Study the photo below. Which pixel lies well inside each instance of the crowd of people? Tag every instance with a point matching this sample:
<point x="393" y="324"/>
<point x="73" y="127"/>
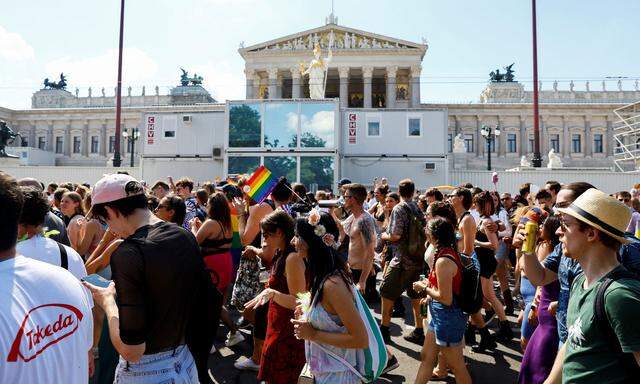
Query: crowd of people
<point x="129" y="283"/>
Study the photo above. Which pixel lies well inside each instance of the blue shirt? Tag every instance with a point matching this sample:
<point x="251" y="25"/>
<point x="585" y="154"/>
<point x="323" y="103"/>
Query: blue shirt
<point x="567" y="270"/>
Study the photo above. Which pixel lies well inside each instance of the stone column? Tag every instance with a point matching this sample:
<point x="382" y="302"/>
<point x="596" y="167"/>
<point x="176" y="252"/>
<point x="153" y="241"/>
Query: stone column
<point x="523" y="148"/>
<point x="415" y="85"/>
<point x="256" y="86"/>
<point x="86" y="142"/>
<point x="49" y="145"/>
<point x="566" y="138"/>
<point x="367" y="73"/>
<point x="104" y="139"/>
<point x="343" y="73"/>
<point x="588" y="145"/>
<point x="457" y="125"/>
<point x="479" y="140"/>
<point x="67" y="139"/>
<point x="295" y="83"/>
<point x="32" y="134"/>
<point x="250" y="74"/>
<point x="391" y="86"/>
<point x="610" y="142"/>
<point x="273" y="79"/>
<point x="279" y="87"/>
<point x="502" y="139"/>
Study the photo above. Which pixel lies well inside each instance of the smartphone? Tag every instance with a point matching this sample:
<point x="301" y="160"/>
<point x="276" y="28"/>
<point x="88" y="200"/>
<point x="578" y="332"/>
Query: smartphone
<point x="97" y="280"/>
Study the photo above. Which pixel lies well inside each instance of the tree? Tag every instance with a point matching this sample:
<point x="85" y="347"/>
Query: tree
<point x="244" y="126"/>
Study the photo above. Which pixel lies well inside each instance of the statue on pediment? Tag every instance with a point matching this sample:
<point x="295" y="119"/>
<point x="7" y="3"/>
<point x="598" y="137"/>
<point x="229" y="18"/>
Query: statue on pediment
<point x="317" y="71"/>
<point x="376" y="44"/>
<point x="387" y="45"/>
<point x="508" y="77"/>
<point x="571" y="85"/>
<point x="346" y="40"/>
<point x="586" y="85"/>
<point x="364" y="43"/>
<point x="554" y="160"/>
<point x="185" y="79"/>
<point x="620" y="85"/>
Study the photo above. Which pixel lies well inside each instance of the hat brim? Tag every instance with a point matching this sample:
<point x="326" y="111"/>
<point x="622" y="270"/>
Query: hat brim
<point x="625" y="239"/>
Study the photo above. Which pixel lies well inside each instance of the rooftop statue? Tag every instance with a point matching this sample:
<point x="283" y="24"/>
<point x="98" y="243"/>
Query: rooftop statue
<point x="6" y="136"/>
<point x="62" y="84"/>
<point x="496" y="76"/>
<point x="554" y="160"/>
<point x="459" y="146"/>
<point x="185" y="79"/>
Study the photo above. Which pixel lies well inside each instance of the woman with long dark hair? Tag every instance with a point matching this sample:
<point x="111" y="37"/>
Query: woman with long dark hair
<point x="214" y="237"/>
<point x="171" y="209"/>
<point x="332" y="320"/>
<point x="446" y="328"/>
<point x="542" y="348"/>
<point x="282" y="354"/>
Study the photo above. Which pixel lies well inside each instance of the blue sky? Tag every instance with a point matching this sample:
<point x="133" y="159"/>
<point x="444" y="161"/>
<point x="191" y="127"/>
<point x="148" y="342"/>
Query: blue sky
<point x="577" y="40"/>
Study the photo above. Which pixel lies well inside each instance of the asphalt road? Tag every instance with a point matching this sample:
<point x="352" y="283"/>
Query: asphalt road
<point x="499" y="366"/>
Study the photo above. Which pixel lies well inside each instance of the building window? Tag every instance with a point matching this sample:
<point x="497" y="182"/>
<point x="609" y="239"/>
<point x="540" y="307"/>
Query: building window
<point x="468" y="142"/>
<point x="76" y="144"/>
<point x="554" y="142"/>
<point x="531" y="143"/>
<point x="373" y="127"/>
<point x="94" y="144"/>
<point x="414" y="127"/>
<point x="41" y="142"/>
<point x="597" y="143"/>
<point x="59" y="144"/>
<point x="512" y="146"/>
<point x="112" y="144"/>
<point x="450" y="142"/>
<point x="576" y="143"/>
<point x="25" y="141"/>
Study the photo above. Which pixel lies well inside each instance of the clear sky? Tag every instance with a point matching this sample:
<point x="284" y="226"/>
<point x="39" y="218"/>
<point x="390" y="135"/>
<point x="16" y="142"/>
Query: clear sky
<point x="577" y="40"/>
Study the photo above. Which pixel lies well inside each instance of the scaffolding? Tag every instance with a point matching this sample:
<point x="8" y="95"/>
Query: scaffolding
<point x="626" y="135"/>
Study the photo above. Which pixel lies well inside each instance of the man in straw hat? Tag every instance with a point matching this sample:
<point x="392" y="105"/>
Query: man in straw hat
<point x="599" y="345"/>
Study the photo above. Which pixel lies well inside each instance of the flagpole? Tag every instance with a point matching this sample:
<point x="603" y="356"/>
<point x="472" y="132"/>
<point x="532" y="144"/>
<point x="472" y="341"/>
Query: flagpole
<point x="326" y="70"/>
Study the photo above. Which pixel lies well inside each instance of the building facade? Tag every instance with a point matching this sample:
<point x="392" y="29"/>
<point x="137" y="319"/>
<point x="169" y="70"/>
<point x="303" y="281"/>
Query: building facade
<point x="367" y="73"/>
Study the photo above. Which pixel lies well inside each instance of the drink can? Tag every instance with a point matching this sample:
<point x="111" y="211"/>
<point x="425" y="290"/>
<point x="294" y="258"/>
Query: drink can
<point x="529" y="244"/>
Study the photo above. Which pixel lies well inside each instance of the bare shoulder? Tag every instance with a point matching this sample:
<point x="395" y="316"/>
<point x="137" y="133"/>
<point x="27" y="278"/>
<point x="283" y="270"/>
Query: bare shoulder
<point x="294" y="258"/>
<point x="334" y="285"/>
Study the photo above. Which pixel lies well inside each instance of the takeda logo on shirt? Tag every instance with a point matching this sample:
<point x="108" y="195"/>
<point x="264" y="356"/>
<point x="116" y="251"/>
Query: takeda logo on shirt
<point x="42" y="327"/>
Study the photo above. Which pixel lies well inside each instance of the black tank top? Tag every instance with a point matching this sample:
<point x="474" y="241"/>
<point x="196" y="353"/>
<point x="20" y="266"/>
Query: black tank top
<point x="481" y="236"/>
<point x="215" y="246"/>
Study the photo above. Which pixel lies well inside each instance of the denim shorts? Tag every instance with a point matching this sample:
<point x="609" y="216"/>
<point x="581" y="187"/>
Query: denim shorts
<point x="170" y="367"/>
<point x="503" y="251"/>
<point x="448" y="323"/>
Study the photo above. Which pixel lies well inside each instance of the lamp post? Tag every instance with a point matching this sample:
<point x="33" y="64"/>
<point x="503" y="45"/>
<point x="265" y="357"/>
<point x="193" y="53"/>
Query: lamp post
<point x="116" y="152"/>
<point x="537" y="158"/>
<point x="489" y="134"/>
<point x="131" y="139"/>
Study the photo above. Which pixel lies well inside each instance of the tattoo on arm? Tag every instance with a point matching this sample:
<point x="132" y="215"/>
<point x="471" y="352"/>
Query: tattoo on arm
<point x="366" y="227"/>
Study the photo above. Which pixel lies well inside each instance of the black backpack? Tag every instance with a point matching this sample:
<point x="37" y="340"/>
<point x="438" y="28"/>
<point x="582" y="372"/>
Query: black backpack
<point x="602" y="322"/>
<point x="470" y="297"/>
<point x="414" y="244"/>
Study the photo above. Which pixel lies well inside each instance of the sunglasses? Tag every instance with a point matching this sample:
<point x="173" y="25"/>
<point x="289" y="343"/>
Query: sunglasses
<point x="624" y="200"/>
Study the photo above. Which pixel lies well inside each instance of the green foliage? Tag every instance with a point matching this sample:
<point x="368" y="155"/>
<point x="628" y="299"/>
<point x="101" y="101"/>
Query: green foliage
<point x="244" y="126"/>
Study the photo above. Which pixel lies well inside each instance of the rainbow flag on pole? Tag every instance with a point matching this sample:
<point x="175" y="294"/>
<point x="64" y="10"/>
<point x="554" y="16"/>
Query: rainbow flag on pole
<point x="260" y="184"/>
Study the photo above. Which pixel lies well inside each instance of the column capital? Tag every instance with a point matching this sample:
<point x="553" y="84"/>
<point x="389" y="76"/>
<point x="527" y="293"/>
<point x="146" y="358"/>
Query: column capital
<point x="250" y="73"/>
<point x="343" y="72"/>
<point x="416" y="70"/>
<point x="392" y="70"/>
<point x="295" y="72"/>
<point x="367" y="71"/>
<point x="273" y="73"/>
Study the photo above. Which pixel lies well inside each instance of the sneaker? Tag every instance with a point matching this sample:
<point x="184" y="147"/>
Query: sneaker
<point x="470" y="335"/>
<point x="243" y="323"/>
<point x="489" y="315"/>
<point x="246" y="364"/>
<point x="416" y="336"/>
<point x="486" y="341"/>
<point x="505" y="332"/>
<point x="233" y="338"/>
<point x="392" y="364"/>
<point x="386" y="335"/>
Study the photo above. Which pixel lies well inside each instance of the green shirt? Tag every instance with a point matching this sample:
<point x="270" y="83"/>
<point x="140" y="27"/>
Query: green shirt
<point x="588" y="358"/>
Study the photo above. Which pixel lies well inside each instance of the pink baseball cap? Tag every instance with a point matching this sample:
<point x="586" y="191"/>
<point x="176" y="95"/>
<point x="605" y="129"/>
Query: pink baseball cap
<point x="115" y="187"/>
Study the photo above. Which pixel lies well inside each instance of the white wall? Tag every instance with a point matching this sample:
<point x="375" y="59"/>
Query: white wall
<point x="510" y="181"/>
<point x="363" y="170"/>
<point x="48" y="174"/>
<point x="197" y="169"/>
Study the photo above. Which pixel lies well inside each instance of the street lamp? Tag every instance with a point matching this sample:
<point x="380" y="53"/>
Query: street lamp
<point x="489" y="134"/>
<point x="131" y="139"/>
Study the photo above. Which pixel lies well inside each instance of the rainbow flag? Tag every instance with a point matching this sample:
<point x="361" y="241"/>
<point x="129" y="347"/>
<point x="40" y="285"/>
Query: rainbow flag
<point x="236" y="244"/>
<point x="260" y="184"/>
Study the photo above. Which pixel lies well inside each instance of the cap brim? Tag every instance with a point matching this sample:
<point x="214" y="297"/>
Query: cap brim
<point x="569" y="211"/>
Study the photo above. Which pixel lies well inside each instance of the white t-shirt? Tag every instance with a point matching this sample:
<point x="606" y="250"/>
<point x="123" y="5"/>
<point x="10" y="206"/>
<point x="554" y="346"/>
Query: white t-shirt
<point x="46" y="326"/>
<point x="44" y="249"/>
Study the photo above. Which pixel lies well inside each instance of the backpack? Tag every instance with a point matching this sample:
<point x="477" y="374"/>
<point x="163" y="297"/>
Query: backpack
<point x="602" y="322"/>
<point x="414" y="245"/>
<point x="469" y="299"/>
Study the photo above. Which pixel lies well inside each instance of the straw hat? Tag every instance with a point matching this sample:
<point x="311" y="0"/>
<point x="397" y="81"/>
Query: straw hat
<point x="601" y="211"/>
